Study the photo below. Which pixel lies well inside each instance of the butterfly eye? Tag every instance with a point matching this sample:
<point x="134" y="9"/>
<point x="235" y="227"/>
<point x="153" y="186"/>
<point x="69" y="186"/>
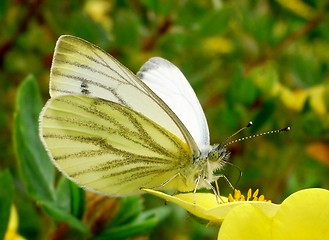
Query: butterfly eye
<point x="213" y="155"/>
<point x="218" y="153"/>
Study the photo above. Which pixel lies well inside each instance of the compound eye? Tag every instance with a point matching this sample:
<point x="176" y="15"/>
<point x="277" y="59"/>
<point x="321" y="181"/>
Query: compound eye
<point x="213" y="155"/>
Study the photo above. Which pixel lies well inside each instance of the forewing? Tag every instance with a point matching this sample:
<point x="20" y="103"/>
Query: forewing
<point x="169" y="83"/>
<point x="109" y="148"/>
<point x="82" y="68"/>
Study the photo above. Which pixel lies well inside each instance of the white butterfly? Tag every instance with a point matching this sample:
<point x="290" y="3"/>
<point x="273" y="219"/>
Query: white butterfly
<point x="113" y="132"/>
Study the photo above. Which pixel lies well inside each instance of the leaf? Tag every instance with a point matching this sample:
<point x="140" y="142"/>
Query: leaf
<point x="61" y="215"/>
<point x="63" y="197"/>
<point x="263" y="115"/>
<point x="130" y="208"/>
<point x="3" y="8"/>
<point x="143" y="224"/>
<point x="160" y="7"/>
<point x="6" y="196"/>
<point x="221" y="18"/>
<point x="126" y="29"/>
<point x="70" y="197"/>
<point x="77" y="200"/>
<point x="241" y="90"/>
<point x="34" y="164"/>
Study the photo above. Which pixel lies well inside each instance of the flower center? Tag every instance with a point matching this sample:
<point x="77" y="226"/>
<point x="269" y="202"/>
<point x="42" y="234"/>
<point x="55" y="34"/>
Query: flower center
<point x="250" y="196"/>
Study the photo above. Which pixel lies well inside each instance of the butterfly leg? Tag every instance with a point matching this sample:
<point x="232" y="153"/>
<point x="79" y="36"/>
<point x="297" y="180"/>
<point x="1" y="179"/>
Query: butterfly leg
<point x="217" y="191"/>
<point x="197" y="181"/>
<point x="214" y="190"/>
<point x="226" y="180"/>
<point x="164" y="183"/>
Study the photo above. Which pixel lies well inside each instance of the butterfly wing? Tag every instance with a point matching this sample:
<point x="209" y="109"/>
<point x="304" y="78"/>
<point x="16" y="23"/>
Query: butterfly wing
<point x="109" y="148"/>
<point x="169" y="83"/>
<point x="106" y="130"/>
<point x="82" y="68"/>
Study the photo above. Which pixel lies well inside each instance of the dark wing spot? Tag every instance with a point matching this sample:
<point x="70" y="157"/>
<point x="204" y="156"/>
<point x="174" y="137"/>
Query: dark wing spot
<point x="85" y="91"/>
<point x="140" y="75"/>
<point x="153" y="64"/>
<point x="84" y="88"/>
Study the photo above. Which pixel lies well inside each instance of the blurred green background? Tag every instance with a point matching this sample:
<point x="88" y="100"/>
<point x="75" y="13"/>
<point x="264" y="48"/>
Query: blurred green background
<point x="260" y="61"/>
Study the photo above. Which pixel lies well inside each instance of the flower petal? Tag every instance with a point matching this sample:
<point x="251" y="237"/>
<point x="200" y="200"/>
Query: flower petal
<point x="206" y="206"/>
<point x="269" y="209"/>
<point x="303" y="215"/>
<point x="245" y="221"/>
<point x="203" y="202"/>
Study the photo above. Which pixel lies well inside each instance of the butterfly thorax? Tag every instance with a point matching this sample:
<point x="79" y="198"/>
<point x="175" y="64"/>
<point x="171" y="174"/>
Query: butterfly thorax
<point x="205" y="164"/>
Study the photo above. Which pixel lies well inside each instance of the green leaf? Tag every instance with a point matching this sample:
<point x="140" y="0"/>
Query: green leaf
<point x="241" y="90"/>
<point x="130" y="208"/>
<point x="126" y="29"/>
<point x="263" y="116"/>
<point x="3" y="7"/>
<point x="61" y="215"/>
<point x="6" y="196"/>
<point x="35" y="167"/>
<point x="141" y="225"/>
<point x="77" y="200"/>
<point x="70" y="197"/>
<point x="221" y="18"/>
<point x="161" y="7"/>
<point x="63" y="197"/>
<point x="82" y="26"/>
<point x="307" y="71"/>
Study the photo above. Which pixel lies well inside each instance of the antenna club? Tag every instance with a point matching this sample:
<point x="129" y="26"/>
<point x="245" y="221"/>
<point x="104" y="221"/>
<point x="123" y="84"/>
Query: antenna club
<point x="249" y="124"/>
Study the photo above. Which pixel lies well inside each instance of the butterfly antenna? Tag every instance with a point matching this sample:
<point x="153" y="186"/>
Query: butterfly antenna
<point x="255" y="135"/>
<point x="227" y="142"/>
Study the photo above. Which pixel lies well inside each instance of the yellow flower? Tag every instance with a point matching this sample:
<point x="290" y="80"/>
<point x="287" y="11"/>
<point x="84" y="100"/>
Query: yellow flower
<point x="298" y="7"/>
<point x="217" y="45"/>
<point x="11" y="233"/>
<point x="99" y="11"/>
<point x="295" y="99"/>
<point x="267" y="79"/>
<point x="303" y="215"/>
<point x="206" y="206"/>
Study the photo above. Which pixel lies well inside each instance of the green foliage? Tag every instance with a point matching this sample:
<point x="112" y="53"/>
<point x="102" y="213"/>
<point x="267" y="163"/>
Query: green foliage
<point x="37" y="174"/>
<point x="264" y="61"/>
<point x="6" y="196"/>
<point x="60" y="215"/>
<point x="140" y="224"/>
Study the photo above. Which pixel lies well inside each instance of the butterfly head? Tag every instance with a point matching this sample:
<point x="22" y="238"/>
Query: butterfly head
<point x="217" y="157"/>
<point x="218" y="153"/>
<point x="214" y="157"/>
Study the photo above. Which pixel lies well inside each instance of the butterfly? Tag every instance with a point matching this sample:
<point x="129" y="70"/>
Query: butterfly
<point x="114" y="132"/>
